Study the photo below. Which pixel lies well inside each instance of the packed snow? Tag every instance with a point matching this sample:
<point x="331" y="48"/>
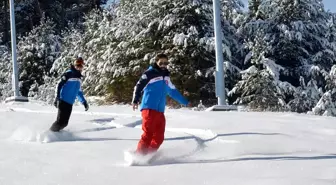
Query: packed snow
<point x="200" y="147"/>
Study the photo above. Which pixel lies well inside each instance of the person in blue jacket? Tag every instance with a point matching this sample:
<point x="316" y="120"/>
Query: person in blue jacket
<point x="67" y="90"/>
<point x="155" y="84"/>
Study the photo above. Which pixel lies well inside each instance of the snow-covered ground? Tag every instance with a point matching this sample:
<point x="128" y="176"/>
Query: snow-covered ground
<point x="208" y="148"/>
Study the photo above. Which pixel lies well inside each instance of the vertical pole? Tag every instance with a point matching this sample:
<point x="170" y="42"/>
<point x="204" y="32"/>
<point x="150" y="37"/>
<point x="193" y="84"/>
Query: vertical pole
<point x="220" y="83"/>
<point x="15" y="76"/>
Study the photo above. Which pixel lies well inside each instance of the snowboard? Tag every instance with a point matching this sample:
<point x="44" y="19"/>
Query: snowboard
<point x="134" y="159"/>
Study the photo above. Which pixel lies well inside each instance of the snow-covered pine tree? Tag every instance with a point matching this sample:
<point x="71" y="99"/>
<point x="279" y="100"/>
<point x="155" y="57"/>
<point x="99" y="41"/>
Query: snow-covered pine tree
<point x="295" y="32"/>
<point x="258" y="91"/>
<point x="71" y="43"/>
<point x="71" y="11"/>
<point x="231" y="10"/>
<point x="99" y="43"/>
<point x="118" y="45"/>
<point x="5" y="73"/>
<point x="260" y="88"/>
<point x="252" y="21"/>
<point x="299" y="37"/>
<point x="306" y="96"/>
<point x="254" y="12"/>
<point x="93" y="45"/>
<point x="253" y="24"/>
<point x="4" y="22"/>
<point x="332" y="30"/>
<point x="181" y="28"/>
<point x="232" y="18"/>
<point x="36" y="54"/>
<point x="326" y="105"/>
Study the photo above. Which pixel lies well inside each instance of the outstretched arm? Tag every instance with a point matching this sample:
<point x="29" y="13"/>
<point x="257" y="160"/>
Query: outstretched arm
<point x="139" y="88"/>
<point x="80" y="96"/>
<point x="175" y="94"/>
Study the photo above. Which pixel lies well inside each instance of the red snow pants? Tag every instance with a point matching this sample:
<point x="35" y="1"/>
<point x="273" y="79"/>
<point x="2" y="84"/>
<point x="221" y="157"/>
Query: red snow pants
<point x="153" y="126"/>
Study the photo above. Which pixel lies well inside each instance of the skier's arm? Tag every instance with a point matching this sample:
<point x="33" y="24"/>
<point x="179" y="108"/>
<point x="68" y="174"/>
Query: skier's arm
<point x="139" y="88"/>
<point x="64" y="79"/>
<point x="80" y="96"/>
<point x="175" y="94"/>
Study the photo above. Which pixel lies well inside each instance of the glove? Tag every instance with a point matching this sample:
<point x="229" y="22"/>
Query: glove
<point x="56" y="102"/>
<point x="86" y="106"/>
<point x="135" y="106"/>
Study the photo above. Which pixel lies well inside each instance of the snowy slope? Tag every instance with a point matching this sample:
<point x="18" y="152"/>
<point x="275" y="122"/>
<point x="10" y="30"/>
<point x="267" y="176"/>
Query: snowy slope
<point x="212" y="148"/>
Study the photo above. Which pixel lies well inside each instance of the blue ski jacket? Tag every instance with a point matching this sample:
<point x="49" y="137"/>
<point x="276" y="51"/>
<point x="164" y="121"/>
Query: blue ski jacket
<point x="155" y="84"/>
<point x="69" y="87"/>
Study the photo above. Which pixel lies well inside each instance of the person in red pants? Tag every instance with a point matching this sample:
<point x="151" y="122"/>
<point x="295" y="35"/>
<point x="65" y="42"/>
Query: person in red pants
<point x="155" y="84"/>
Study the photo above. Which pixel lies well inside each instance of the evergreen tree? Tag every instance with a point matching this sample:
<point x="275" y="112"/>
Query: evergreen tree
<point x="184" y="30"/>
<point x="260" y="88"/>
<point x="70" y="50"/>
<point x="326" y="105"/>
<point x="28" y="14"/>
<point x="5" y="73"/>
<point x="306" y="96"/>
<point x="92" y="44"/>
<point x="298" y="36"/>
<point x="254" y="12"/>
<point x="4" y="22"/>
<point x="36" y="54"/>
<point x="258" y="91"/>
<point x="297" y="41"/>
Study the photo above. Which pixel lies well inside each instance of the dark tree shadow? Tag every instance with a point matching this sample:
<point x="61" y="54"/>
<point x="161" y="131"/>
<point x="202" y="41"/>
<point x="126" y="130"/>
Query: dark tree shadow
<point x="79" y="139"/>
<point x="96" y="129"/>
<point x="251" y="133"/>
<point x="102" y="121"/>
<point x="175" y="160"/>
<point x="68" y="136"/>
<point x="134" y="124"/>
<point x="222" y="135"/>
<point x="105" y="121"/>
<point x="201" y="144"/>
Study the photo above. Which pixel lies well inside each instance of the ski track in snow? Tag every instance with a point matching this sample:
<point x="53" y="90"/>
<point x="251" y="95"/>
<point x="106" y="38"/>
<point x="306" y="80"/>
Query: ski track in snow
<point x="26" y="134"/>
<point x="200" y="136"/>
<point x="272" y="148"/>
<point x="74" y="112"/>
